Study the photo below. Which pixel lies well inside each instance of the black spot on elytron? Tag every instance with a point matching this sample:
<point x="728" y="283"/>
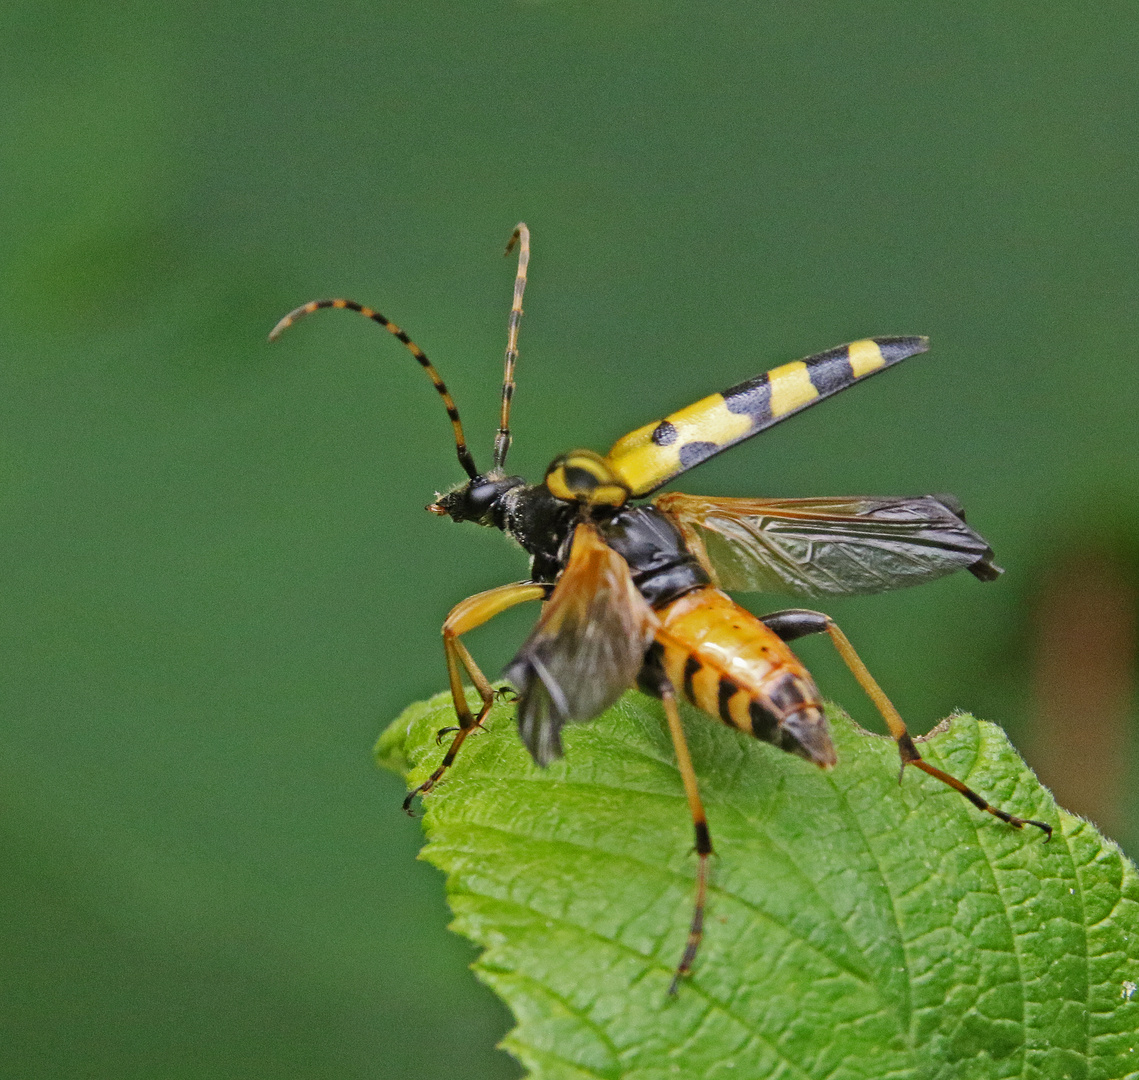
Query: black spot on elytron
<point x="578" y="479"/>
<point x="703" y="838"/>
<point x="898" y="348"/>
<point x="508" y="391"/>
<point x="695" y="452"/>
<point x="691" y="667"/>
<point x="764" y="724"/>
<point x="751" y="398"/>
<point x="830" y="371"/>
<point x="664" y="434"/>
<point x="727" y="691"/>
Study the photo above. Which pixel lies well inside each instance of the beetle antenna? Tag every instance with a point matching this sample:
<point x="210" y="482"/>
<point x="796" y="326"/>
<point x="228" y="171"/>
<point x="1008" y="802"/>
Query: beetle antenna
<point x="465" y="458"/>
<point x="521" y="237"/>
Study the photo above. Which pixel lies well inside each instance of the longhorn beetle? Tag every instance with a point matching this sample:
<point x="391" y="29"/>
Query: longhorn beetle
<point x="633" y="591"/>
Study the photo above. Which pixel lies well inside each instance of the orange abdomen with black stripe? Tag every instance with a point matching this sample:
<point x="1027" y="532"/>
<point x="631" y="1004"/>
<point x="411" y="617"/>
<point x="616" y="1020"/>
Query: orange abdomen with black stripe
<point x="726" y="662"/>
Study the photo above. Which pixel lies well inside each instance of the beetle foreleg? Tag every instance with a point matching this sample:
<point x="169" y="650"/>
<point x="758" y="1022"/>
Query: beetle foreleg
<point x="464" y="616"/>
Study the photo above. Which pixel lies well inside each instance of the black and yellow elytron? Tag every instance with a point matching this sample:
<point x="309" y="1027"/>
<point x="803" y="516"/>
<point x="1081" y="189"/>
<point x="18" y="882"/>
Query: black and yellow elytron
<point x="633" y="592"/>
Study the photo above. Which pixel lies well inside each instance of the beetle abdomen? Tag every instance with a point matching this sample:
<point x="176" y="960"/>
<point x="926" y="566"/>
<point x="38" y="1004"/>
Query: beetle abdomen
<point x="727" y="663"/>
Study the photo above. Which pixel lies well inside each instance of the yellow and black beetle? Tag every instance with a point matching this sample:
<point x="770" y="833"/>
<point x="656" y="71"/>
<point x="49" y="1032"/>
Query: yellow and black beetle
<point x="633" y="592"/>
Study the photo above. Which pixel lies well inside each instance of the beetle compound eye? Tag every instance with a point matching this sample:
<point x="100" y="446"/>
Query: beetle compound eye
<point x="585" y="477"/>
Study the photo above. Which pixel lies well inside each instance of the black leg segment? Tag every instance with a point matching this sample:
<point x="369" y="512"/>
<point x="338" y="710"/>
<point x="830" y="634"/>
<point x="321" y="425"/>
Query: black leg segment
<point x="799" y="622"/>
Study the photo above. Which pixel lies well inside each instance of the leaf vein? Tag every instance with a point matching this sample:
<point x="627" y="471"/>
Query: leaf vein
<point x="664" y="871"/>
<point x="691" y="985"/>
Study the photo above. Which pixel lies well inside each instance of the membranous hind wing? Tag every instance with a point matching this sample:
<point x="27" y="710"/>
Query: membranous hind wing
<point x="587" y="648"/>
<point x="829" y="547"/>
<point x="652" y="455"/>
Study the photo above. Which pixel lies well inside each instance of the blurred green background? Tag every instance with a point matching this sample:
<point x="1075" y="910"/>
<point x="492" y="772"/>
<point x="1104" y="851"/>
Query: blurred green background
<point x="219" y="583"/>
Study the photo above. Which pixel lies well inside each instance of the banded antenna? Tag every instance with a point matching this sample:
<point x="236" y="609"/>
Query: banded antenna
<point x="465" y="458"/>
<point x="521" y="237"/>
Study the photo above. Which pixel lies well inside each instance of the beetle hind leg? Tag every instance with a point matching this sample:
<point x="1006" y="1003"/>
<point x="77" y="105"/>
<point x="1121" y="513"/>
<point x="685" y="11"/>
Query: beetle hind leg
<point x="797" y="622"/>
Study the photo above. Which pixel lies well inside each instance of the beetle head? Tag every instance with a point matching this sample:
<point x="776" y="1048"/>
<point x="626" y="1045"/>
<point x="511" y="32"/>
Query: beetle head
<point x="476" y="500"/>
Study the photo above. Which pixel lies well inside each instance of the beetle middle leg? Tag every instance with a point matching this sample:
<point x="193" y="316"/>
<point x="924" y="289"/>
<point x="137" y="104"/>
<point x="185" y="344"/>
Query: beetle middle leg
<point x="699" y="825"/>
<point x="464" y="616"/>
<point x="653" y="680"/>
<point x="797" y="622"/>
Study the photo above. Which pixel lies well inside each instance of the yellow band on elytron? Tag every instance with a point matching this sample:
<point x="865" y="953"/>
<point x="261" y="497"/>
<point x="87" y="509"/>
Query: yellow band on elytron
<point x="791" y="387"/>
<point x="642" y="462"/>
<point x="865" y="357"/>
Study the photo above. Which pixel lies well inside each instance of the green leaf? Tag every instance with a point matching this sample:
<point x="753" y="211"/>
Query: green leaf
<point x="856" y="927"/>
